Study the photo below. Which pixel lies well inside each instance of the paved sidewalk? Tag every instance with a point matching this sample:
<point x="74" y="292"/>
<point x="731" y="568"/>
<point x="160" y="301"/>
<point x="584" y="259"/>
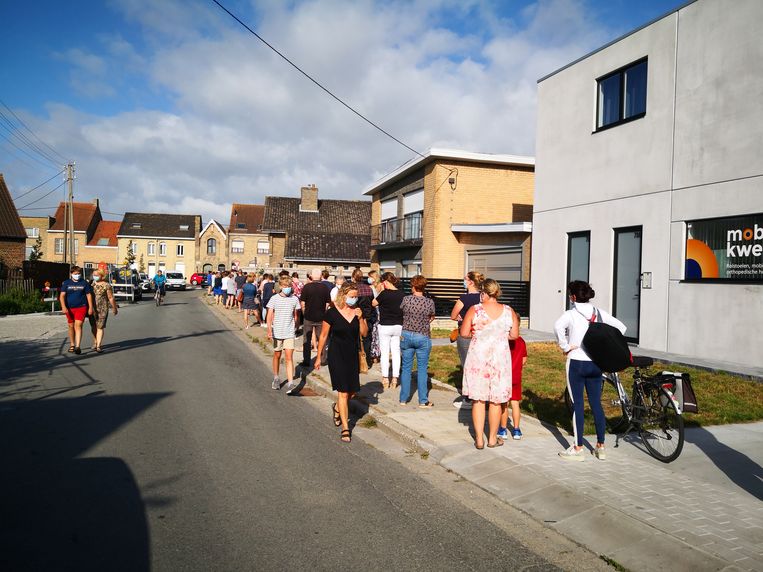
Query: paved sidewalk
<point x="31" y="326"/>
<point x="701" y="512"/>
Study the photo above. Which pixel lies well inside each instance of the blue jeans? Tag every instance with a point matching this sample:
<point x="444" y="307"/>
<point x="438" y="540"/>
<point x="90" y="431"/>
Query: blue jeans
<point x="585" y="375"/>
<point x="419" y="345"/>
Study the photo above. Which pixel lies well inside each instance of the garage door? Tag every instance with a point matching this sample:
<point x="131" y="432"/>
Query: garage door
<point x="505" y="264"/>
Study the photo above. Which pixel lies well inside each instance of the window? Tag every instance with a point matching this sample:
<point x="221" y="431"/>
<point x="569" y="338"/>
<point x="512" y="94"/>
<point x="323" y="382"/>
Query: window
<point x="237" y="246"/>
<point x="136" y="225"/>
<point x="32" y="232"/>
<point x="89" y="264"/>
<point x="76" y="246"/>
<point x="28" y="252"/>
<point x="180" y="249"/>
<point x="621" y="95"/>
<point x="184" y="227"/>
<point x="263" y="247"/>
<point x="413" y="211"/>
<point x="134" y="247"/>
<point x="59" y="246"/>
<point x="578" y="257"/>
<point x="212" y="246"/>
<point x="240" y="225"/>
<point x="151" y="248"/>
<point x="103" y="242"/>
<point x="162" y="249"/>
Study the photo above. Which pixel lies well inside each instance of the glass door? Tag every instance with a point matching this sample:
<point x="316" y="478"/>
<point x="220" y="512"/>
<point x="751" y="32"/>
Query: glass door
<point x="578" y="259"/>
<point x="626" y="305"/>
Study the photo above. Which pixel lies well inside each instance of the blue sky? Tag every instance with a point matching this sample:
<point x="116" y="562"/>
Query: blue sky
<point x="169" y="106"/>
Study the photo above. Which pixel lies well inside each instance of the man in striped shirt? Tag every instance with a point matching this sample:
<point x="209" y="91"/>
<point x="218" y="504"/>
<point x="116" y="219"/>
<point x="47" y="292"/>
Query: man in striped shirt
<point x="281" y="322"/>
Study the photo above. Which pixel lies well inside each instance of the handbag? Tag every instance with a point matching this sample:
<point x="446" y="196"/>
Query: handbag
<point x="606" y="345"/>
<point x="375" y="346"/>
<point x="453" y="335"/>
<point x="240" y="297"/>
<point x="362" y="356"/>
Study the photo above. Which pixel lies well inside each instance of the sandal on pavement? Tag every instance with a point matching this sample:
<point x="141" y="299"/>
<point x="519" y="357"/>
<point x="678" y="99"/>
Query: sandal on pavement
<point x="498" y="443"/>
<point x="386" y="383"/>
<point x="77" y="351"/>
<point x="99" y="349"/>
<point x="478" y="447"/>
<point x="71" y="349"/>
<point x="427" y="405"/>
<point x="337" y="418"/>
<point x="346" y="437"/>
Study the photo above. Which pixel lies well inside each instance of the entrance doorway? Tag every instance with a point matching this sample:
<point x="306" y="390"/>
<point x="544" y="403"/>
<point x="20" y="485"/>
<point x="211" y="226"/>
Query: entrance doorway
<point x="578" y="259"/>
<point x="626" y="304"/>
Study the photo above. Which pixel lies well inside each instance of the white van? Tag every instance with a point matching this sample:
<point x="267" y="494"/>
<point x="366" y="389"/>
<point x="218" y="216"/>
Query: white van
<point x="175" y="281"/>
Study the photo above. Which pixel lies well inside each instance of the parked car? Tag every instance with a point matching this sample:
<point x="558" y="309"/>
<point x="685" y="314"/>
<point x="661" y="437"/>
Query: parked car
<point x="126" y="285"/>
<point x="145" y="282"/>
<point x="175" y="281"/>
<point x="198" y="279"/>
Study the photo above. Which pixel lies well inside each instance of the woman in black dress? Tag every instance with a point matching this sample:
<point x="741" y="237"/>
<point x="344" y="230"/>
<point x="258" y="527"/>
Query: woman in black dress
<point x="345" y="324"/>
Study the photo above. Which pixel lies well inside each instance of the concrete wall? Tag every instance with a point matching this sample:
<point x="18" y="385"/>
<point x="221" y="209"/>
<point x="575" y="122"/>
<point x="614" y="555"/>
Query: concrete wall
<point x="694" y="155"/>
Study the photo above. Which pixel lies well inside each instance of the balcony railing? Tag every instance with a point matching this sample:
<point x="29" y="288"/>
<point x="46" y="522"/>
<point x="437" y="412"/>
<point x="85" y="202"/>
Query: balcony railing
<point x="408" y="228"/>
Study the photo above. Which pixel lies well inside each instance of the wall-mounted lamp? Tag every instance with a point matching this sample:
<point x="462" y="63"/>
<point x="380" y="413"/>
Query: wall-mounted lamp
<point x="452" y="182"/>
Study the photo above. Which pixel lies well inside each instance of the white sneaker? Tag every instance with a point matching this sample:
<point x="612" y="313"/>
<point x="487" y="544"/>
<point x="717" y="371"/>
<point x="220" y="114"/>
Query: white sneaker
<point x="600" y="453"/>
<point x="276" y="383"/>
<point x="291" y="386"/>
<point x="463" y="403"/>
<point x="572" y="455"/>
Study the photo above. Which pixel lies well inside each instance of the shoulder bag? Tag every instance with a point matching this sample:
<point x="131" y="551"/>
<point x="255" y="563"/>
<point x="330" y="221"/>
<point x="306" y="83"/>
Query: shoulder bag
<point x="605" y="345"/>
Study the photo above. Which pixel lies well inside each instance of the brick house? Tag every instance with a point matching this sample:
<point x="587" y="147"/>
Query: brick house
<point x="452" y="211"/>
<point x="249" y="247"/>
<point x="168" y="242"/>
<point x="307" y="232"/>
<point x="12" y="233"/>
<point x="102" y="245"/>
<point x="36" y="226"/>
<point x="213" y="247"/>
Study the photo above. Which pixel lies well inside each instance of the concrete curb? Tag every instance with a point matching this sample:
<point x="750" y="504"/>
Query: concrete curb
<point x="600" y="528"/>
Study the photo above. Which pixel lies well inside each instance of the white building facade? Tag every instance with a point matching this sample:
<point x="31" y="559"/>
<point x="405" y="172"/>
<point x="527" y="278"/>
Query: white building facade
<point x="649" y="182"/>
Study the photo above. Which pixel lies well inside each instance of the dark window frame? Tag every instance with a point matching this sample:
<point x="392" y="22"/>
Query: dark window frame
<point x="621" y="111"/>
<point x="570" y="236"/>
<point x="615" y="240"/>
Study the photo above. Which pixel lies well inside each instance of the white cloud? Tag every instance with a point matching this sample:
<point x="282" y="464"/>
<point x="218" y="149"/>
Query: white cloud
<point x="246" y="124"/>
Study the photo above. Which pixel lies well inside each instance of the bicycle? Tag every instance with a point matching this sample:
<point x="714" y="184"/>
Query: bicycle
<point x="653" y="410"/>
<point x="159" y="297"/>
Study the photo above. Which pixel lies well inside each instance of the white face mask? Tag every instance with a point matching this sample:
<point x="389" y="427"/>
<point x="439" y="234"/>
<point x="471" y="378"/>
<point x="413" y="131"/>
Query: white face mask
<point x="75" y="277"/>
<point x="96" y="278"/>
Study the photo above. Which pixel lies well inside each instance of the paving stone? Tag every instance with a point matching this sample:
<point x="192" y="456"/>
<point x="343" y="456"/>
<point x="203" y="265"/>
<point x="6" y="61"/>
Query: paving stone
<point x="482" y="469"/>
<point x="659" y="553"/>
<point x="554" y="503"/>
<point x="604" y="529"/>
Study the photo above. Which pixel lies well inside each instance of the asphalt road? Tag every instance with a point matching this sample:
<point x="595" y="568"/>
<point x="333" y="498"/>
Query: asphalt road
<point x="170" y="452"/>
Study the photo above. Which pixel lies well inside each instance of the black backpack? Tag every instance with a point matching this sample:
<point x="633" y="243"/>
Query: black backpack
<point x="606" y="345"/>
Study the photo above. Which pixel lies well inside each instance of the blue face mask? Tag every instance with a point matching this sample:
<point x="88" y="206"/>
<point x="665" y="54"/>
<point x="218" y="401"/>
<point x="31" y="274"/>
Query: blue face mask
<point x="370" y="280"/>
<point x="466" y="285"/>
<point x="286" y="291"/>
<point x="351" y="301"/>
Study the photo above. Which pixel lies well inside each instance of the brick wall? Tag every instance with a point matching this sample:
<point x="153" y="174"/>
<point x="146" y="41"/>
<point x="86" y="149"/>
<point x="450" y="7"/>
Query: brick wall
<point x="12" y="252"/>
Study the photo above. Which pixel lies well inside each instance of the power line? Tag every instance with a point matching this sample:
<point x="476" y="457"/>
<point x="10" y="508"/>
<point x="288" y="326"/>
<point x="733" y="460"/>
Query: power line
<point x="316" y="82"/>
<point x="43" y="196"/>
<point x="47" y="163"/>
<point x="64" y="159"/>
<point x="38" y="186"/>
<point x="16" y="132"/>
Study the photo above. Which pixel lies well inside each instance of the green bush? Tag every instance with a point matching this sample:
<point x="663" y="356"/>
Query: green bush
<point x="16" y="302"/>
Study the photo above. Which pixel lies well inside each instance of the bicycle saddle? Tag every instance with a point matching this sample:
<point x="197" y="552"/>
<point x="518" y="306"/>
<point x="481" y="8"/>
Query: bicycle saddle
<point x="642" y="361"/>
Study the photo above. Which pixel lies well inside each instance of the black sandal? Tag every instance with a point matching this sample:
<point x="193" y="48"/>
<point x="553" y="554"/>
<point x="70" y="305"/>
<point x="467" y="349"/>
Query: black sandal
<point x="337" y="418"/>
<point x="346" y="436"/>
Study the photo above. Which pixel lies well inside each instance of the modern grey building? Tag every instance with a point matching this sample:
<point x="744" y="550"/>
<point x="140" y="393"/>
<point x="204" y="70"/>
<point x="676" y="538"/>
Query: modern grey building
<point x="649" y="182"/>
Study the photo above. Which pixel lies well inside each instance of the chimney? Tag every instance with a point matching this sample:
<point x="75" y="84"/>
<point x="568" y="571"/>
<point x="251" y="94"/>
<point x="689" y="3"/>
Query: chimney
<point x="96" y="202"/>
<point x="309" y="199"/>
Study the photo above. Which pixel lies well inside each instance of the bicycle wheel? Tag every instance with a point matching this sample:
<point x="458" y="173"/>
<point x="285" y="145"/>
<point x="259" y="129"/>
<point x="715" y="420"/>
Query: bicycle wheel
<point x="660" y="425"/>
<point x="614" y="408"/>
<point x="156" y="298"/>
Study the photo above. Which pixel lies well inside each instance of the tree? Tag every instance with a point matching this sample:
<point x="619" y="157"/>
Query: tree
<point x="141" y="264"/>
<point x="130" y="258"/>
<point x="36" y="253"/>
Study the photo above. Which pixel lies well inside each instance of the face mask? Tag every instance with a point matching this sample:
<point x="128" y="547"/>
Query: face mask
<point x="466" y="285"/>
<point x="96" y="278"/>
<point x="351" y="301"/>
<point x="75" y="277"/>
<point x="370" y="280"/>
<point x="286" y="291"/>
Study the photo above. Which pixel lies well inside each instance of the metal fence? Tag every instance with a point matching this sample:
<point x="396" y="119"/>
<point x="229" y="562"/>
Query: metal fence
<point x="25" y="285"/>
<point x="445" y="292"/>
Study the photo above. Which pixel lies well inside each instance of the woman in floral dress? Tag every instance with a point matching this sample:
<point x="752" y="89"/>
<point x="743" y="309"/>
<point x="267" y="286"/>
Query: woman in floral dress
<point x="487" y="370"/>
<point x="103" y="295"/>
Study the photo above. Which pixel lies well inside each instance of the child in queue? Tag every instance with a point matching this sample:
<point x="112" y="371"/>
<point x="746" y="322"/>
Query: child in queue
<point x="282" y="317"/>
<point x="518" y="350"/>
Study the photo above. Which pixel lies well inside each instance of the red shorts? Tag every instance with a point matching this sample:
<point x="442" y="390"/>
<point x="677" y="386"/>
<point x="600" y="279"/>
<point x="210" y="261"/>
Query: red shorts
<point x="516" y="391"/>
<point x="76" y="314"/>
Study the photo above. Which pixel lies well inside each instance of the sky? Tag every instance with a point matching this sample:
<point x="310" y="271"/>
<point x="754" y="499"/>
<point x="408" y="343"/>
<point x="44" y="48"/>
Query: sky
<point x="171" y="106"/>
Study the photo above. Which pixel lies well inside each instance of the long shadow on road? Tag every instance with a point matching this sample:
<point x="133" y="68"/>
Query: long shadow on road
<point x="60" y="512"/>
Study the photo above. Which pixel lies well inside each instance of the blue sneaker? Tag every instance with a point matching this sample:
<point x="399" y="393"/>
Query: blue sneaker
<point x="503" y="433"/>
<point x="516" y="434"/>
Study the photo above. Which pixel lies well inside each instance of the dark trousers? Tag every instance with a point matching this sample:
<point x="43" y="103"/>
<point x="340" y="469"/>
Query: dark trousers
<point x="367" y="343"/>
<point x="309" y="330"/>
<point x="586" y="375"/>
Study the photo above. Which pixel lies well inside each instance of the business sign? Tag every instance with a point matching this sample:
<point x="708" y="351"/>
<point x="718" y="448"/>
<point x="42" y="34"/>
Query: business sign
<point x="728" y="248"/>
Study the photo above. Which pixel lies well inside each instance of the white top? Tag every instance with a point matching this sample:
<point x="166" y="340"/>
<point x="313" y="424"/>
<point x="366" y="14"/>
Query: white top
<point x="334" y="292"/>
<point x="283" y="308"/>
<point x="225" y="283"/>
<point x="573" y="325"/>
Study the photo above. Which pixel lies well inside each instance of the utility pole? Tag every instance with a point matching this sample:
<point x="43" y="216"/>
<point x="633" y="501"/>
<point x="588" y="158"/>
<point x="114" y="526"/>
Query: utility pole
<point x="70" y="201"/>
<point x="66" y="231"/>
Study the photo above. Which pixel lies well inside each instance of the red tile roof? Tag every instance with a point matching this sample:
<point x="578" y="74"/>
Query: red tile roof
<point x="250" y="216"/>
<point x="10" y="223"/>
<point x="83" y="216"/>
<point x="107" y="229"/>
